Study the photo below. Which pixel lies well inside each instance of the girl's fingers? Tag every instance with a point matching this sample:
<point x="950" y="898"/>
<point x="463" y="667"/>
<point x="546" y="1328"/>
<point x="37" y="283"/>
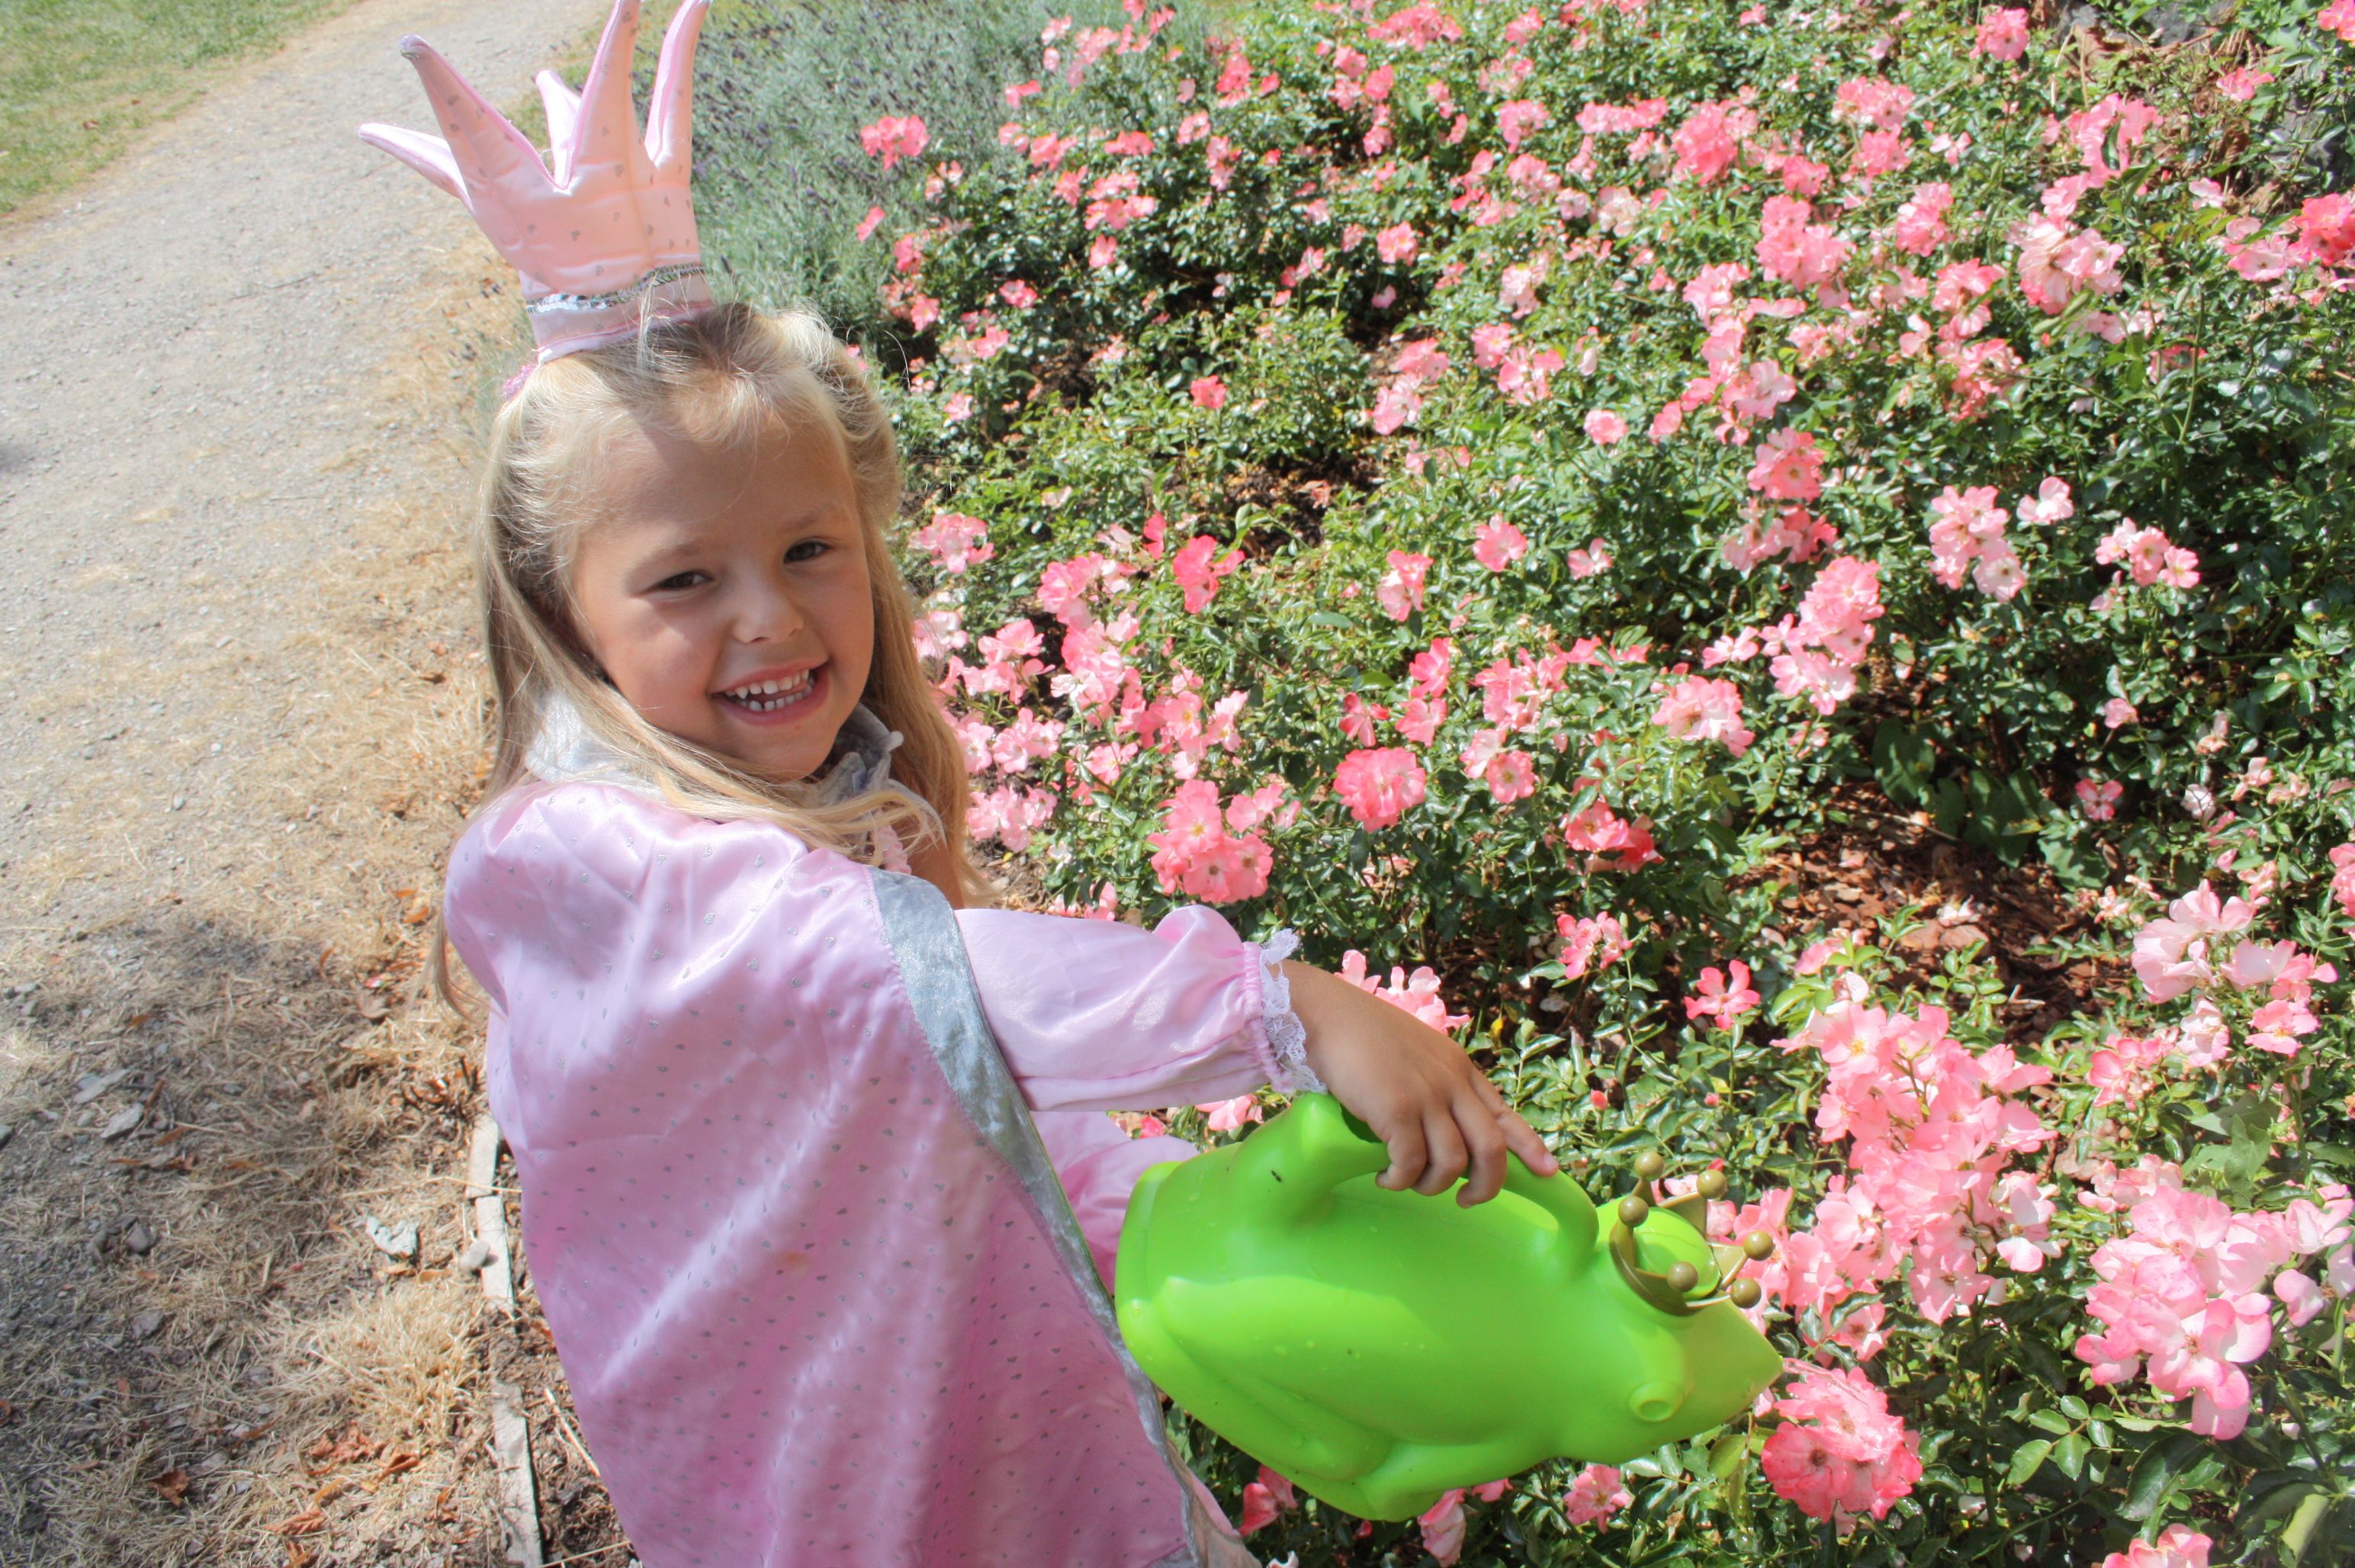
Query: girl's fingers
<point x="1523" y="1140"/>
<point x="1406" y="1142"/>
<point x="1447" y="1146"/>
<point x="1483" y="1136"/>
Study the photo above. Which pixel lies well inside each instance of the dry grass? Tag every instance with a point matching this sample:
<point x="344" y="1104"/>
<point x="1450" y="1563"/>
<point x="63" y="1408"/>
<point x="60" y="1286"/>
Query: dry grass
<point x="227" y="1370"/>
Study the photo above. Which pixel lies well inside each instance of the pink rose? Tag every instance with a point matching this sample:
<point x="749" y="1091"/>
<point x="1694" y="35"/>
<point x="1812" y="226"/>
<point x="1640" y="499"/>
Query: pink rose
<point x="1379" y="785"/>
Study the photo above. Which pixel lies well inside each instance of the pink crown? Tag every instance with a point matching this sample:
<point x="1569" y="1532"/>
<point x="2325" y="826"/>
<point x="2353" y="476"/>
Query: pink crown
<point x="604" y="231"/>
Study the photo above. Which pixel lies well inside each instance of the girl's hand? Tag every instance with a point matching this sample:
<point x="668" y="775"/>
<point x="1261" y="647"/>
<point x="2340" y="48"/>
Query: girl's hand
<point x="1414" y="1087"/>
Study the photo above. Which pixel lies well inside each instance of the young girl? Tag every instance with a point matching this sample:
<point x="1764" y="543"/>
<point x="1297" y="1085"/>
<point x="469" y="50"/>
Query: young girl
<point x="815" y="1189"/>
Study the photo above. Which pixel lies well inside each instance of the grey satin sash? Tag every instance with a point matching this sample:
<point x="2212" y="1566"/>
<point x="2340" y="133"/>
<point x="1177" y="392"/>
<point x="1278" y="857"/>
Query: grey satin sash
<point x="930" y="947"/>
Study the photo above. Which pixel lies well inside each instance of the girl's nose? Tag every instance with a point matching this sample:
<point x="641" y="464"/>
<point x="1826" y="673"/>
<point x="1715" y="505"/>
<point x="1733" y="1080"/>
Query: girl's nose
<point x="768" y="612"/>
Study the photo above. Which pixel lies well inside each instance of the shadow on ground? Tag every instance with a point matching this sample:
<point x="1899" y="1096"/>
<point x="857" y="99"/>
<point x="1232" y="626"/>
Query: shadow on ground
<point x="207" y="1358"/>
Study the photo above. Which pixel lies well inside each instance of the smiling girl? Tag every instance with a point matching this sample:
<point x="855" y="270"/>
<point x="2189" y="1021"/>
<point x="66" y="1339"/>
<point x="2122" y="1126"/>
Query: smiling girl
<point x="815" y="1193"/>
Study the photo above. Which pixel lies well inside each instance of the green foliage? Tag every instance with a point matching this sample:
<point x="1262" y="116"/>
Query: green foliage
<point x="1164" y="340"/>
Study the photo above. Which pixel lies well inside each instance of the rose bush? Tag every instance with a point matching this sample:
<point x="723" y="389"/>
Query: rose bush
<point x="1500" y="489"/>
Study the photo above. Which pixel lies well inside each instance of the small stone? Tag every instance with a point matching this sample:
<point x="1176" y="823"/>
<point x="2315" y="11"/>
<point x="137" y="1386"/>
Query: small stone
<point x="93" y="1084"/>
<point x="138" y="1239"/>
<point x="144" y="1327"/>
<point x="474" y="1260"/>
<point x="122" y="1122"/>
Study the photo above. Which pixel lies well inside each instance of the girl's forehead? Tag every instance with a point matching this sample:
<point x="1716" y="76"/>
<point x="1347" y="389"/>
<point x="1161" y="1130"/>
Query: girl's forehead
<point x="780" y="465"/>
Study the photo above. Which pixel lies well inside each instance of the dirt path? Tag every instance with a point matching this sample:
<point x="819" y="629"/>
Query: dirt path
<point x="238" y="735"/>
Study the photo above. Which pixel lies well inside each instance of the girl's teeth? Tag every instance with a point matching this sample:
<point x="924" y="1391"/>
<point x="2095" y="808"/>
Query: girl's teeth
<point x="768" y="695"/>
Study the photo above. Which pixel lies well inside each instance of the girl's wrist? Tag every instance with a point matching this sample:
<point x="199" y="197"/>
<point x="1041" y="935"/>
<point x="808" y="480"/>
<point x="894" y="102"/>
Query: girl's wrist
<point x="1311" y="1004"/>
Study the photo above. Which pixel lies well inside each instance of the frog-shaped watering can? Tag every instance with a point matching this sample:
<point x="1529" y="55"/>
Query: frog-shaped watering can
<point x="1379" y="1347"/>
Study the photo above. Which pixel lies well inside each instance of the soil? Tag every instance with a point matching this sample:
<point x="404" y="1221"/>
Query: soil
<point x="235" y="460"/>
<point x="1890" y="878"/>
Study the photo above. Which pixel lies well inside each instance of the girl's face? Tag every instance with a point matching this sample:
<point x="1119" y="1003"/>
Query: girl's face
<point x="725" y="593"/>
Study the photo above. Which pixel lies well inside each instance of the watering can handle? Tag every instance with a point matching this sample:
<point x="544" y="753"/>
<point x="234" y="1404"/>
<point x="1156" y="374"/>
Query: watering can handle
<point x="1333" y="1146"/>
<point x="1559" y="1196"/>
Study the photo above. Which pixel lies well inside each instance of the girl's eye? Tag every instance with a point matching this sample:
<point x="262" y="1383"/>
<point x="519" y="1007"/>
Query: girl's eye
<point x="677" y="580"/>
<point x="807" y="550"/>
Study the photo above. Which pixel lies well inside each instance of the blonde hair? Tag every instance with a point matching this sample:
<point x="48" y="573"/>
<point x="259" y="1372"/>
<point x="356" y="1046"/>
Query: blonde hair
<point x="719" y="378"/>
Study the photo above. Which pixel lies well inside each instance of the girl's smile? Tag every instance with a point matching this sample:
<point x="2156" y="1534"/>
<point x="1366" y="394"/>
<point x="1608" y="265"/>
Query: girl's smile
<point x="773" y="697"/>
<point x="725" y="590"/>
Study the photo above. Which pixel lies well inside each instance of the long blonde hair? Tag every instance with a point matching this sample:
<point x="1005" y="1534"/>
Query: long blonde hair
<point x="717" y="379"/>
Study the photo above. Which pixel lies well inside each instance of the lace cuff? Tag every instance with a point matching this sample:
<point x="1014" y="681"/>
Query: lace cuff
<point x="1287" y="1039"/>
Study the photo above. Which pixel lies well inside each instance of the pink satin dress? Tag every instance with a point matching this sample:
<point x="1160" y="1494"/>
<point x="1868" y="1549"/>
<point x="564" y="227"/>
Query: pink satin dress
<point x="814" y="1193"/>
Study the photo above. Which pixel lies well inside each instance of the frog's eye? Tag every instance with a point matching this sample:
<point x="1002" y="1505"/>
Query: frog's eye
<point x="1654" y="1401"/>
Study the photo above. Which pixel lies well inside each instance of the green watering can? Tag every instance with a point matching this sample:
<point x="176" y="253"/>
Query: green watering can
<point x="1380" y="1347"/>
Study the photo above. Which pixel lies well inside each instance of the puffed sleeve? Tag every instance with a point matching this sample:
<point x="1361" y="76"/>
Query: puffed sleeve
<point x="1098" y="1163"/>
<point x="1095" y="1015"/>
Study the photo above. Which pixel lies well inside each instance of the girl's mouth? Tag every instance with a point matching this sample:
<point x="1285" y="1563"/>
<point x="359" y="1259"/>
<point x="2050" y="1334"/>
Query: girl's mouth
<point x="774" y="701"/>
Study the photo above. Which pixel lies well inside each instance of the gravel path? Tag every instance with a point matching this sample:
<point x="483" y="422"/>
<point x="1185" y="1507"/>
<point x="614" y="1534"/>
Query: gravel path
<point x="191" y="420"/>
<point x="238" y="730"/>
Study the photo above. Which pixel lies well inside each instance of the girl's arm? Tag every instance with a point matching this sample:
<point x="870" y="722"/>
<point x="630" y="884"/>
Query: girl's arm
<point x="1414" y="1087"/>
<point x="1093" y="1015"/>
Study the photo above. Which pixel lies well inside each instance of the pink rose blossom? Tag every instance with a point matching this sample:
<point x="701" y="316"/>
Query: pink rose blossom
<point x="1789" y="467"/>
<point x="1209" y="392"/>
<point x="2177" y="1546"/>
<point x="891" y="139"/>
<point x="1518" y="119"/>
<point x="1199" y="574"/>
<point x="953" y="541"/>
<point x="1379" y="785"/>
<point x="2003" y="34"/>
<point x="1605" y="428"/>
<point x="1594" y="1496"/>
<point x="1400" y="593"/>
<point x="1234" y="1116"/>
<point x="1840" y="1452"/>
<point x="1590" y="943"/>
<point x="1417" y="994"/>
<point x="1397" y="243"/>
<point x="1194" y="851"/>
<point x="1723" y="996"/>
<point x="2242" y="85"/>
<point x="2098" y="799"/>
<point x="1496" y="544"/>
<point x="2117" y="713"/>
<point x="1698" y="708"/>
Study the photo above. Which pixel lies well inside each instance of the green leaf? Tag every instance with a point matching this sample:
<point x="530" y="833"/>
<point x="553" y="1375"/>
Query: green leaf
<point x="1947" y="804"/>
<point x="2263" y="1508"/>
<point x="2155" y="1474"/>
<point x="2070" y="851"/>
<point x="2238" y="1163"/>
<point x="2026" y="1460"/>
<point x="2051" y="1421"/>
<point x="2070" y="1454"/>
<point x="2302" y="1526"/>
<point x="2073" y="1408"/>
<point x="1727" y="1454"/>
<point x="1902" y="761"/>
